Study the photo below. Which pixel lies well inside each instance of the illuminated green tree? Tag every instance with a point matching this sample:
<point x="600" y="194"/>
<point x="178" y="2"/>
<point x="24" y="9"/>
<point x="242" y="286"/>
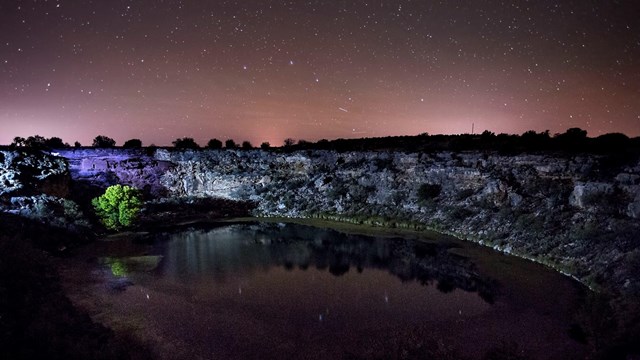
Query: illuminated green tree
<point x="119" y="207"/>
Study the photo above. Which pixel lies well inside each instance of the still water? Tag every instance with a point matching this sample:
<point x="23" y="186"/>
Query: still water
<point x="282" y="291"/>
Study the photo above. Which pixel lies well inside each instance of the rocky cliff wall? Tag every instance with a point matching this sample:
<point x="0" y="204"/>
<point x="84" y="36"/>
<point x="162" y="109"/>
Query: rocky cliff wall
<point x="578" y="213"/>
<point x="37" y="186"/>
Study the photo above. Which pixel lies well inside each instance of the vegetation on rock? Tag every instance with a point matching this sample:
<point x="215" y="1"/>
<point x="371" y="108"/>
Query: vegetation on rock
<point x="428" y="191"/>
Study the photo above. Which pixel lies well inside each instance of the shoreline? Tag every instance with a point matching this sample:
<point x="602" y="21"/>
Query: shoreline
<point x="354" y="227"/>
<point x="515" y="275"/>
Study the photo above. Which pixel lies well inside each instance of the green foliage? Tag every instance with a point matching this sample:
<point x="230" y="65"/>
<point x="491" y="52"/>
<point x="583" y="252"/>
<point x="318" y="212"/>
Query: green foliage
<point x="119" y="207"/>
<point x="118" y="268"/>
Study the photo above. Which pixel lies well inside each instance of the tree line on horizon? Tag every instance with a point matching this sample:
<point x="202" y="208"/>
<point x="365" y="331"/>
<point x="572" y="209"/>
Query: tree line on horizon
<point x="573" y="140"/>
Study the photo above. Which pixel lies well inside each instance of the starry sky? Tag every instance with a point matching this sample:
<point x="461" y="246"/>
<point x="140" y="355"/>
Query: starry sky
<point x="269" y="70"/>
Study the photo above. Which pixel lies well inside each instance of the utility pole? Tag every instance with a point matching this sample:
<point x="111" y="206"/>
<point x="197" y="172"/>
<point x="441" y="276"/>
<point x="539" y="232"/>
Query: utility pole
<point x="472" y="127"/>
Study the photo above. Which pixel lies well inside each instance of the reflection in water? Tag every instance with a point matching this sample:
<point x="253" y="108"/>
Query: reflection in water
<point x="247" y="248"/>
<point x="274" y="291"/>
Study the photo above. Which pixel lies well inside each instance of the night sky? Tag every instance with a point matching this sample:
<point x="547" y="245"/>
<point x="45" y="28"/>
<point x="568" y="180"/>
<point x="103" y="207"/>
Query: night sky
<point x="268" y="70"/>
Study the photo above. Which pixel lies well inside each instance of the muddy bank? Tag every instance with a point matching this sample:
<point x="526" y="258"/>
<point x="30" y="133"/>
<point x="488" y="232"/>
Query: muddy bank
<point x="37" y="319"/>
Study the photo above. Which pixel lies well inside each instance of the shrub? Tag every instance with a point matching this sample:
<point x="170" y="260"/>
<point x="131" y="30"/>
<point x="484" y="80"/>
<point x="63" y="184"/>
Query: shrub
<point x="464" y="194"/>
<point x="460" y="213"/>
<point x="119" y="207"/>
<point x="428" y="191"/>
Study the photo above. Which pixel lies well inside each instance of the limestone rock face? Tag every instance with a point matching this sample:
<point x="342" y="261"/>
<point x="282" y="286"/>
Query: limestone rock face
<point x="28" y="172"/>
<point x="104" y="167"/>
<point x="34" y="185"/>
<point x="567" y="211"/>
<point x="51" y="210"/>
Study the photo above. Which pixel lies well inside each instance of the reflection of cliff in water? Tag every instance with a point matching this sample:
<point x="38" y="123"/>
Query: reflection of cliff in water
<point x="257" y="247"/>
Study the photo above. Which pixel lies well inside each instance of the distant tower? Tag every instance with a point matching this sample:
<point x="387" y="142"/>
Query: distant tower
<point x="473" y="125"/>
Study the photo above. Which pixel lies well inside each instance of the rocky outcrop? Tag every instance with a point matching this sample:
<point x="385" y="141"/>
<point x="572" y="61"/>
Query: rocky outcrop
<point x="36" y="185"/>
<point x="104" y="167"/>
<point x="32" y="172"/>
<point x="578" y="213"/>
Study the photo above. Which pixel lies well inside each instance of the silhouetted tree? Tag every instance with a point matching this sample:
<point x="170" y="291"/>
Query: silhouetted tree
<point x="185" y="143"/>
<point x="77" y="144"/>
<point x="288" y="142"/>
<point x="246" y="145"/>
<point x="55" y="143"/>
<point x="323" y="144"/>
<point x="487" y="135"/>
<point x="303" y="144"/>
<point x="102" y="141"/>
<point x="265" y="146"/>
<point x="612" y="143"/>
<point x="35" y="141"/>
<point x="18" y="141"/>
<point x="574" y="139"/>
<point x="532" y="140"/>
<point x="214" y="144"/>
<point x="132" y="144"/>
<point x="532" y="135"/>
<point x="575" y="133"/>
<point x="230" y="144"/>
